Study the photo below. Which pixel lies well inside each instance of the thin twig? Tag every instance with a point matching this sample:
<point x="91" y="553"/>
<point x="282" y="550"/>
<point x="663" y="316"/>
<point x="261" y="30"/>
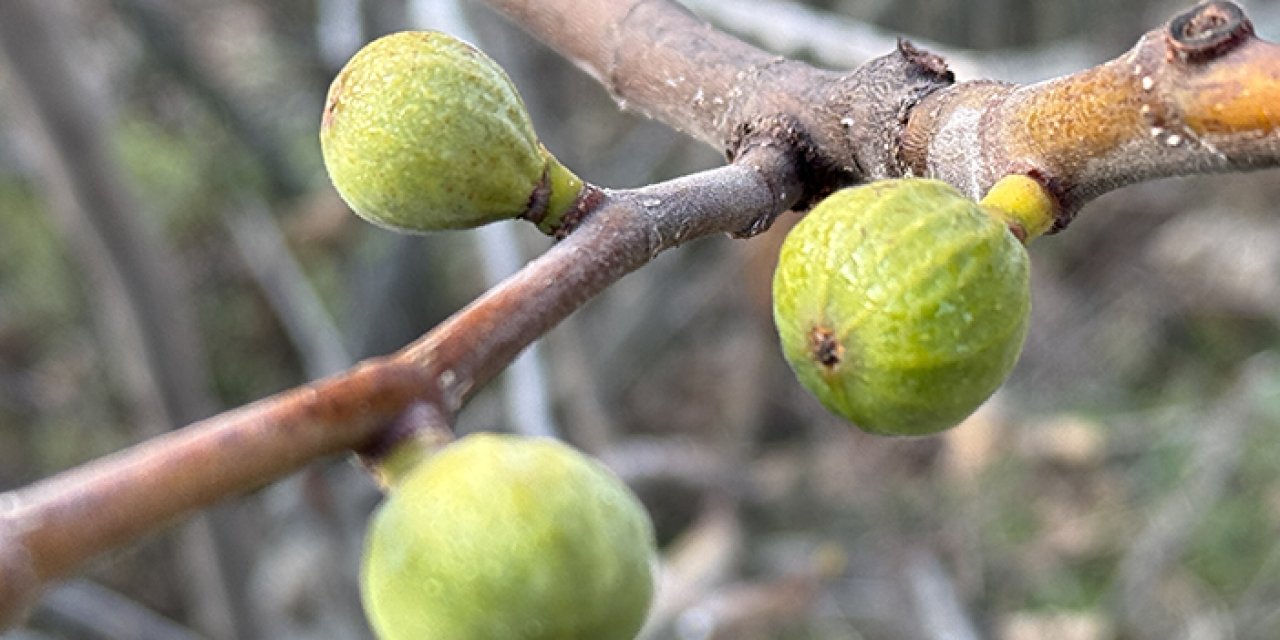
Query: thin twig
<point x="90" y="610"/>
<point x="1216" y="456"/>
<point x="627" y="230"/>
<point x="295" y="302"/>
<point x="934" y="598"/>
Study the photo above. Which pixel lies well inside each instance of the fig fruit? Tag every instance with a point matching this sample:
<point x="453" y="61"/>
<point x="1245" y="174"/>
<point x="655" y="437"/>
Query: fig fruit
<point x="422" y="131"/>
<point x="901" y="304"/>
<point x="518" y="538"/>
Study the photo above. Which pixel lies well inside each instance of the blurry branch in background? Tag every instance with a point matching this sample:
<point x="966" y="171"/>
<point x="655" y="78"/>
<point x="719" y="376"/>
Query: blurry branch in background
<point x="90" y="611"/>
<point x="839" y="42"/>
<point x="254" y="230"/>
<point x="167" y="45"/>
<point x="136" y="285"/>
<point x="935" y="599"/>
<point x="697" y="563"/>
<point x="1220" y="435"/>
<point x="137" y="289"/>
<point x="339" y="31"/>
<point x="307" y="323"/>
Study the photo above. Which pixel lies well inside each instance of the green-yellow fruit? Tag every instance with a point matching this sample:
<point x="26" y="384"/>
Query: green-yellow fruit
<point x="510" y="538"/>
<point x="422" y="132"/>
<point x="901" y="304"/>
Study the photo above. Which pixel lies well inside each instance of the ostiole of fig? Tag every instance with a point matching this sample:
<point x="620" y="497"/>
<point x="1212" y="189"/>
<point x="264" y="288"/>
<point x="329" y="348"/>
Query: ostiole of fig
<point x="901" y="304"/>
<point x="423" y="132"/>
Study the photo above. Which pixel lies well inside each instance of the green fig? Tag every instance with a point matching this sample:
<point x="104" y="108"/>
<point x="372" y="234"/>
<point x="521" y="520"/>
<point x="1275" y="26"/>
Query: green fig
<point x="512" y="538"/>
<point x="423" y="132"/>
<point x="901" y="304"/>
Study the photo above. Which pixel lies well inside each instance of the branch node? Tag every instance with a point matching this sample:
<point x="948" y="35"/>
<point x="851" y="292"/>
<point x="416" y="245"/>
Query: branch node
<point x="587" y="201"/>
<point x="818" y="176"/>
<point x="421" y="420"/>
<point x="1207" y="31"/>
<point x="879" y="98"/>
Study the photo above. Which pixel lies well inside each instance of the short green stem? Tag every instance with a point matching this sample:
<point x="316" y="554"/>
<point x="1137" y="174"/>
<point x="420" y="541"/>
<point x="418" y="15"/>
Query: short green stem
<point x="418" y="434"/>
<point x="1023" y="204"/>
<point x="563" y="189"/>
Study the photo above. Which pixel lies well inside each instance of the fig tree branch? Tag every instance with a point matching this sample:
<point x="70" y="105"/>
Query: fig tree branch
<point x="1197" y="95"/>
<point x="657" y="58"/>
<point x="49" y="529"/>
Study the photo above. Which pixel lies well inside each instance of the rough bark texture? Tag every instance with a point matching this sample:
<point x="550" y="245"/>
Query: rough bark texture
<point x="659" y="60"/>
<point x="1194" y="96"/>
<point x="1197" y="95"/>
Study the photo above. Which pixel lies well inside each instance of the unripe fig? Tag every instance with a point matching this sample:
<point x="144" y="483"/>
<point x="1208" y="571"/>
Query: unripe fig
<point x="422" y="132"/>
<point x="901" y="304"/>
<point x="510" y="537"/>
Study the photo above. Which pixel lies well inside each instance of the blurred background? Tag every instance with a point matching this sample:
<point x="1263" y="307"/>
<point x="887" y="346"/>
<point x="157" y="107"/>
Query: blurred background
<point x="170" y="248"/>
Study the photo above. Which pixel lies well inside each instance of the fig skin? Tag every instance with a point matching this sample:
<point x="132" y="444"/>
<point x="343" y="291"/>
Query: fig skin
<point x="423" y="132"/>
<point x="518" y="538"/>
<point x="901" y="304"/>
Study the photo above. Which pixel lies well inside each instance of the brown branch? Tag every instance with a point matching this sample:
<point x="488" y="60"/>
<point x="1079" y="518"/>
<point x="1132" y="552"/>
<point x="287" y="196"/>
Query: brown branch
<point x="1198" y="95"/>
<point x="657" y="58"/>
<point x="627" y="230"/>
<point x="47" y="530"/>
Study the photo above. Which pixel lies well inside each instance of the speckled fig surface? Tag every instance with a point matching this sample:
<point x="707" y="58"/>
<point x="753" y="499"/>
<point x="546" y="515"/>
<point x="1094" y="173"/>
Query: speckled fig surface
<point x="422" y="132"/>
<point x="500" y="536"/>
<point x="901" y="304"/>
